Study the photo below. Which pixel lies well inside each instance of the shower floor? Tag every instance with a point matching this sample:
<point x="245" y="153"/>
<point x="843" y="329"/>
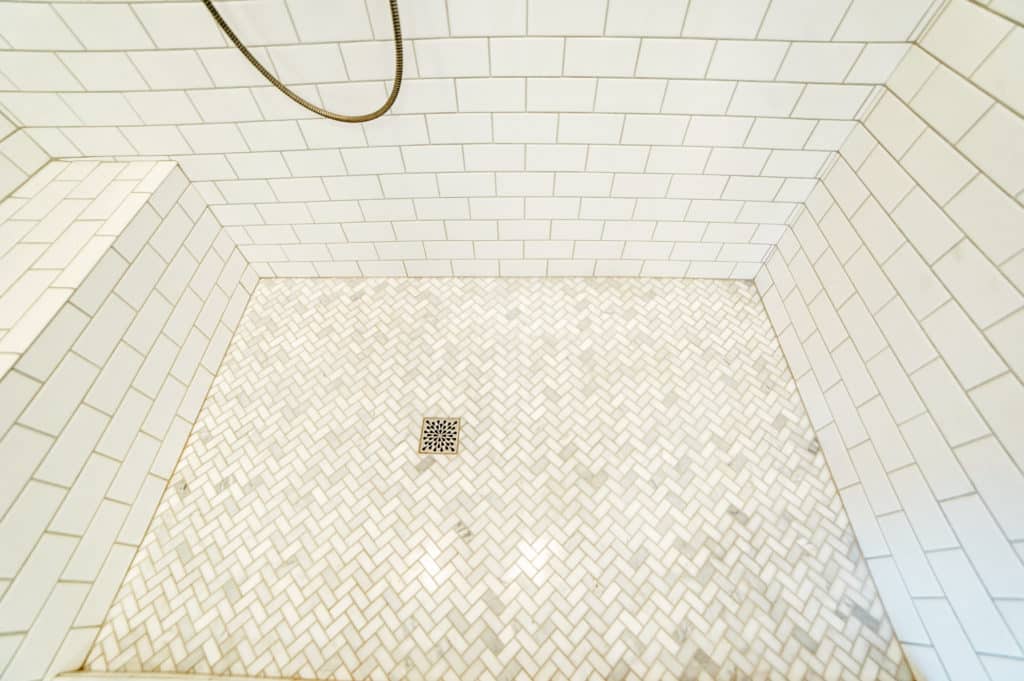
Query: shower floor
<point x="637" y="494"/>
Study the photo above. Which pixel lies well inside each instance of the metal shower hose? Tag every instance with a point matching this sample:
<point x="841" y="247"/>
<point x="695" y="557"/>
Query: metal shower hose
<point x="397" y="29"/>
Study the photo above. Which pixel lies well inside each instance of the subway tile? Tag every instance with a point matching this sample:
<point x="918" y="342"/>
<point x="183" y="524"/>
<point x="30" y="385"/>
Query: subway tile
<point x="990" y="553"/>
<point x="911" y="73"/>
<point x="433" y="95"/>
<point x="995" y="144"/>
<point x="22" y="450"/>
<point x="655" y="130"/>
<point x="872" y="285"/>
<point x="124" y="425"/>
<point x="858" y="145"/>
<point x="863" y="330"/>
<point x="457" y="128"/>
<point x="628" y="94"/>
<point x="560" y="94"/>
<point x="524" y="127"/>
<point x="794" y="163"/>
<point x="70" y="451"/>
<point x="877" y="62"/>
<point x="491" y="94"/>
<point x="736" y="161"/>
<point x="926" y="226"/>
<point x="724" y="19"/>
<point x="865" y="524"/>
<point x="644" y="17"/>
<point x="468" y="17"/>
<point x="852" y="430"/>
<point x="924" y="662"/>
<point x="108" y="27"/>
<point x="829" y="135"/>
<point x="818" y="62"/>
<point x="600" y="57"/>
<point x="952" y="645"/>
<point x="956" y="417"/>
<point x="746" y="60"/>
<point x="698" y="97"/>
<point x="573" y="17"/>
<point x="46" y="351"/>
<point x="764" y="99"/>
<point x="898" y="604"/>
<point x="997" y="73"/>
<point x="884" y="434"/>
<point x="950" y="104"/>
<point x="945" y="38"/>
<point x="894" y="124"/>
<point x="24" y="522"/>
<point x="44" y="639"/>
<point x="989" y="217"/>
<point x="1002" y="668"/>
<point x="895" y="386"/>
<point x="962" y="345"/>
<point x="261" y="22"/>
<point x="1013" y="614"/>
<point x="885" y="178"/>
<point x="937" y="167"/>
<point x="29" y="590"/>
<point x="862" y="20"/>
<point x="673" y="58"/>
<point x="831" y="101"/>
<point x="36" y="27"/>
<point x="179" y="26"/>
<point x="998" y="400"/>
<point x="839" y="233"/>
<point x="910" y="558"/>
<point x="977" y="285"/>
<point x="785" y="133"/>
<point x="526" y="56"/>
<point x="998" y="481"/>
<point x="915" y="282"/>
<point x="99" y="338"/>
<point x="95" y="544"/>
<point x="905" y="336"/>
<point x="103" y="590"/>
<point x="846" y="187"/>
<point x="57" y="399"/>
<point x="854" y="373"/>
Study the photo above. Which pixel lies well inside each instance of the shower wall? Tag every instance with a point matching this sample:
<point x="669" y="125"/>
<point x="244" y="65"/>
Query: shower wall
<point x="897" y="300"/>
<point x="530" y="138"/>
<point x="96" y="409"/>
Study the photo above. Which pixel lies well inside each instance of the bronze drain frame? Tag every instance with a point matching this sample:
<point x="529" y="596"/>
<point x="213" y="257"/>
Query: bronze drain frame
<point x="440" y="435"/>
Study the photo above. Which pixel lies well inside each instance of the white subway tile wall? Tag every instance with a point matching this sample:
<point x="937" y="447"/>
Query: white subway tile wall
<point x="897" y="299"/>
<point x="120" y="294"/>
<point x="705" y="120"/>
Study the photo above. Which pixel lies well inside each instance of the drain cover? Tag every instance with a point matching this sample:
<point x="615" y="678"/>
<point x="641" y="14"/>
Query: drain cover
<point x="440" y="435"/>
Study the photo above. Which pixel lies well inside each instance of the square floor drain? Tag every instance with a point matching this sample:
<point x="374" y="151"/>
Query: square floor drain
<point x="440" y="435"/>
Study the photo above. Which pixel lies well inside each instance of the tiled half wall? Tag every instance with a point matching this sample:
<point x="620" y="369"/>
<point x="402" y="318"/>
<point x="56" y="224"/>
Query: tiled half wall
<point x="141" y="290"/>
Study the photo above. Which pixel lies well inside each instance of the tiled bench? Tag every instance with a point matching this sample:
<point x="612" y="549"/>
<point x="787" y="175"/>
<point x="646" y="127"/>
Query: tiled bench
<point x="119" y="293"/>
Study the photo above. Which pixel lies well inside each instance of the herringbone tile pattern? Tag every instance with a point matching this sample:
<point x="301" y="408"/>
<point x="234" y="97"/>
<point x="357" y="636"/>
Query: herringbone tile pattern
<point x="637" y="495"/>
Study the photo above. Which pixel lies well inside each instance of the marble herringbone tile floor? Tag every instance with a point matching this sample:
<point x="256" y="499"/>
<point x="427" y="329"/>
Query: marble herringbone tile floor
<point x="637" y="495"/>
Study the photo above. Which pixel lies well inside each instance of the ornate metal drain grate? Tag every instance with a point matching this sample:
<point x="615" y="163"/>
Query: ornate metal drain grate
<point x="440" y="435"/>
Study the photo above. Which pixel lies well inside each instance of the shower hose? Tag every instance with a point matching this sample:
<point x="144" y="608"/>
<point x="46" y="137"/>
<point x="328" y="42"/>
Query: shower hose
<point x="397" y="30"/>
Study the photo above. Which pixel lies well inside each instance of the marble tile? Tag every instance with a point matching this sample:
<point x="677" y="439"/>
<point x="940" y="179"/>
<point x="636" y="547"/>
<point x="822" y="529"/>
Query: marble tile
<point x="637" y="493"/>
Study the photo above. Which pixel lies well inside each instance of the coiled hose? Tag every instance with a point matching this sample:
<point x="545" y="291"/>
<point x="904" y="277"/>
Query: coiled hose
<point x="397" y="29"/>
